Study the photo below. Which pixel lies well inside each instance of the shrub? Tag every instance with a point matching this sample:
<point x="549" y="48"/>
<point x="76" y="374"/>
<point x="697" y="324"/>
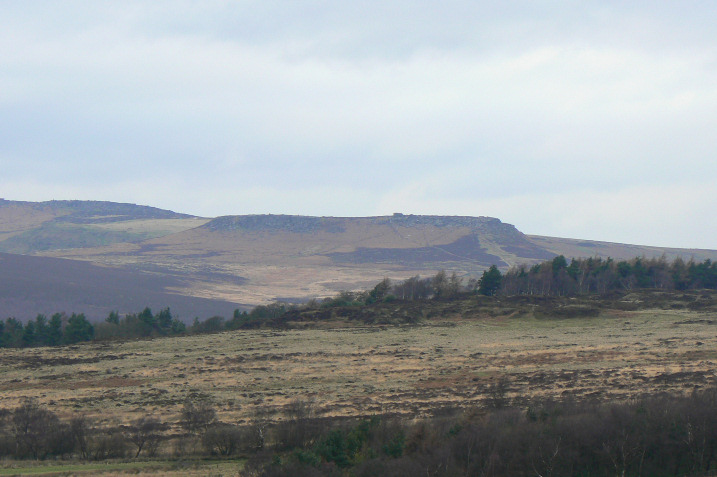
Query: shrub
<point x="145" y="434"/>
<point x="109" y="444"/>
<point x="223" y="439"/>
<point x="197" y="416"/>
<point x="38" y="432"/>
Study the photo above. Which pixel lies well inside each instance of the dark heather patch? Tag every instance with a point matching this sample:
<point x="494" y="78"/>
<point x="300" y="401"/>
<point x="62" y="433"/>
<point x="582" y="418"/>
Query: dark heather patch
<point x="464" y="249"/>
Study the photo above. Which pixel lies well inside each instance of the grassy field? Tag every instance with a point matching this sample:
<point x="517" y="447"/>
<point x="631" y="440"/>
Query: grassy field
<point x="409" y="370"/>
<point x="154" y="468"/>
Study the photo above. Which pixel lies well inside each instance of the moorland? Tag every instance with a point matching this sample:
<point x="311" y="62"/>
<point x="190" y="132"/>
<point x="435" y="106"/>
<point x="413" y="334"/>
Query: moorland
<point x="465" y="362"/>
<point x="124" y="257"/>
<point x="517" y="361"/>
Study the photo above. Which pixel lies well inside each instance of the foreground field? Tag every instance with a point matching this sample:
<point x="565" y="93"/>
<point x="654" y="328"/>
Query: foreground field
<point x="154" y="468"/>
<point x="413" y="370"/>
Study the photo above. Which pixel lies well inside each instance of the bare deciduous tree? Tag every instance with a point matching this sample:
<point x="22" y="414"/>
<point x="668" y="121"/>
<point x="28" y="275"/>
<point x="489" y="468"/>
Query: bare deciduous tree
<point x="197" y="416"/>
<point x="145" y="433"/>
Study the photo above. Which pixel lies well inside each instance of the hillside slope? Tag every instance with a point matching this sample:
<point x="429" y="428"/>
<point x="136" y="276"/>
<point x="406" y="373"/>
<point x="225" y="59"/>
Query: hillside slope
<point x="296" y="257"/>
<point x="31" y="285"/>
<point x="406" y="240"/>
<point x="256" y="259"/>
<point x="30" y="227"/>
<point x="621" y="251"/>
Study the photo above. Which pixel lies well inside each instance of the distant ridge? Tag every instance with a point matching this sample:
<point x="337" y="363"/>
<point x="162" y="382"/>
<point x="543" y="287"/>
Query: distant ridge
<point x="256" y="259"/>
<point x="30" y="227"/>
<point x="408" y="240"/>
<point x="93" y="211"/>
<point x="309" y="224"/>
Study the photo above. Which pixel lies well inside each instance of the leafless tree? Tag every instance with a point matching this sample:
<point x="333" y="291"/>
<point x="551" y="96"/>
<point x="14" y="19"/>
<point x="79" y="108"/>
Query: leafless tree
<point x="197" y="416"/>
<point x="145" y="433"/>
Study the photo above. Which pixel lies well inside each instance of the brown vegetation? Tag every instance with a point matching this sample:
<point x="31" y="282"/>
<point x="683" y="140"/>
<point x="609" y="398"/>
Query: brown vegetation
<point x="421" y="385"/>
<point x="258" y="259"/>
<point x="453" y="355"/>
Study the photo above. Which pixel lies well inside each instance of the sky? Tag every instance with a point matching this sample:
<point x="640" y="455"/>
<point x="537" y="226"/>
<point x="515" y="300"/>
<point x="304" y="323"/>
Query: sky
<point x="582" y="119"/>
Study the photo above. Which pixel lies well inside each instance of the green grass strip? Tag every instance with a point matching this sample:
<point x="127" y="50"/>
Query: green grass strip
<point x="40" y="469"/>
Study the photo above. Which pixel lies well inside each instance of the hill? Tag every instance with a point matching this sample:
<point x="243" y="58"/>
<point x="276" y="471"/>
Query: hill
<point x="296" y="258"/>
<point x="592" y="248"/>
<point x="32" y="285"/>
<point x="31" y="227"/>
<point x="257" y="259"/>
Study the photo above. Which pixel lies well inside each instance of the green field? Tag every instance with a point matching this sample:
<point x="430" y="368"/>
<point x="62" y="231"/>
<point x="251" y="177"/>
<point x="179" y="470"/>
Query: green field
<point x="156" y="468"/>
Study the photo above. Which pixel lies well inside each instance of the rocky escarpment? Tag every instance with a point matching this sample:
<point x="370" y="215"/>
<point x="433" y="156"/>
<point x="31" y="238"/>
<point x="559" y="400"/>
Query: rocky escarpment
<point x="309" y="224"/>
<point x="476" y="239"/>
<point x="267" y="223"/>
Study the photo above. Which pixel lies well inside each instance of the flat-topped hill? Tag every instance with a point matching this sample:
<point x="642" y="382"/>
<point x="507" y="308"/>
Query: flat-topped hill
<point x="309" y="224"/>
<point x="256" y="259"/>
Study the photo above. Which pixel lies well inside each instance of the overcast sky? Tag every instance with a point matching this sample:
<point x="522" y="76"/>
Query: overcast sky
<point x="582" y="119"/>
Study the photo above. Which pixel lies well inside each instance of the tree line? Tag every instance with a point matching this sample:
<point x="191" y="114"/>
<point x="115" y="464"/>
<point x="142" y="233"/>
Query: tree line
<point x="659" y="435"/>
<point x="60" y="329"/>
<point x="556" y="277"/>
<point x="595" y="275"/>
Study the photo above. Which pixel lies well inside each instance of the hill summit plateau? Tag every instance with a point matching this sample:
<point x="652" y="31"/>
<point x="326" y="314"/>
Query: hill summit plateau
<point x="245" y="260"/>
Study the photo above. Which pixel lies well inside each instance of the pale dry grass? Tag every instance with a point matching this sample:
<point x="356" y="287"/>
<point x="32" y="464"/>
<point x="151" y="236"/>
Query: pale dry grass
<point x="274" y="264"/>
<point x="153" y="227"/>
<point x="618" y="251"/>
<point x="16" y="219"/>
<point x="356" y="371"/>
<point x="225" y="468"/>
